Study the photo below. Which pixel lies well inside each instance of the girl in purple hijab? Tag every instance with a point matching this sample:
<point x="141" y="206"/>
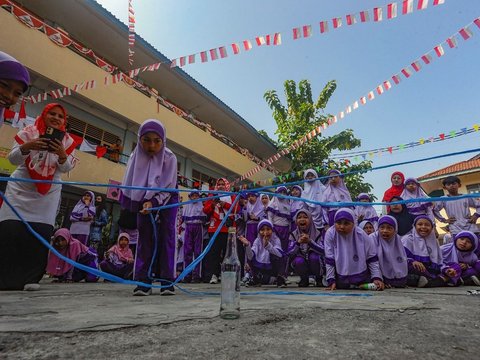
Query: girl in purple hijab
<point x="335" y="191"/>
<point x="14" y="81"/>
<point x="295" y="205"/>
<point x="413" y="190"/>
<point x="425" y="260"/>
<point x="313" y="189"/>
<point x="350" y="254"/>
<point x="367" y="212"/>
<point x="460" y="254"/>
<point x="254" y="212"/>
<point x="82" y="217"/>
<point x="391" y="253"/>
<point x="152" y="165"/>
<point x="306" y="249"/>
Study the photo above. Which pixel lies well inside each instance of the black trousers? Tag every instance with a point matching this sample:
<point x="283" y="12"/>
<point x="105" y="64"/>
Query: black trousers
<point x="23" y="258"/>
<point x="215" y="255"/>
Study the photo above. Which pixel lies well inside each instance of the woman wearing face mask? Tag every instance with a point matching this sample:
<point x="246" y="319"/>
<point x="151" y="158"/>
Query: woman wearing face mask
<point x="23" y="258"/>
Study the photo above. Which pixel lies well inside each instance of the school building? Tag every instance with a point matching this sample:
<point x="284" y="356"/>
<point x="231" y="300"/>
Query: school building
<point x="76" y="52"/>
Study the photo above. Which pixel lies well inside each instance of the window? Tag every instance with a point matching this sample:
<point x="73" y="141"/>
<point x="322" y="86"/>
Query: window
<point x="93" y="134"/>
<point x="473" y="189"/>
<point x="197" y="175"/>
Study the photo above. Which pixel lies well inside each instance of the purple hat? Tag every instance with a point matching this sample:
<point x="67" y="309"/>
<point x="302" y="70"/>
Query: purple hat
<point x="154" y="126"/>
<point x="419" y="217"/>
<point x="263" y="223"/>
<point x="410" y="180"/>
<point x="334" y="172"/>
<point x="387" y="219"/>
<point x="12" y="69"/>
<point x="344" y="214"/>
<point x="363" y="196"/>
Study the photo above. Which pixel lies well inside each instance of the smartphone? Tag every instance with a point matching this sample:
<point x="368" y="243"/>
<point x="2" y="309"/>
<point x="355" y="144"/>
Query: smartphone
<point x="53" y="134"/>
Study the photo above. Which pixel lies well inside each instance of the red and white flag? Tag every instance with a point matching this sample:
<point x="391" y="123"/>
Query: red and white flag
<point x="91" y="84"/>
<point x="57" y="36"/>
<point x="427" y="58"/>
<point x="260" y="40"/>
<point x="379" y="89"/>
<point x="183" y="60"/>
<point x="173" y="63"/>
<point x="341" y="115"/>
<point x="396" y="79"/>
<point x="377" y="14"/>
<point x="247" y="45"/>
<point x="235" y="48"/>
<point x="203" y="56"/>
<point x="422" y="4"/>
<point x="406" y="72"/>
<point x="154" y="67"/>
<point x="323" y="27"/>
<point x="191" y="59"/>
<point x="439" y="50"/>
<point x="277" y="39"/>
<point x="364" y="17"/>
<point x="465" y="33"/>
<point x="307" y="31"/>
<point x="452" y="42"/>
<point x="438" y="2"/>
<point x="371" y="95"/>
<point x="56" y="94"/>
<point x="351" y="19"/>
<point x="392" y="10"/>
<point x="337" y="22"/>
<point x="104" y="65"/>
<point x="84" y="50"/>
<point x="213" y="54"/>
<point x="26" y="18"/>
<point x="296" y="33"/>
<point x="387" y="85"/>
<point x="355" y="105"/>
<point x="416" y="66"/>
<point x="477" y="22"/>
<point x="363" y="100"/>
<point x="223" y="52"/>
<point x="407" y="7"/>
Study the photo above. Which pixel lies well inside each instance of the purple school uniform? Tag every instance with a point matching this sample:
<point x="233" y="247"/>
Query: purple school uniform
<point x="417" y="208"/>
<point x="366" y="212"/>
<point x="279" y="216"/>
<point x="193" y="218"/>
<point x="313" y="190"/>
<point x="80" y="229"/>
<point x="350" y="259"/>
<point x="331" y="194"/>
<point x="460" y="210"/>
<point x="158" y="171"/>
<point x="453" y="257"/>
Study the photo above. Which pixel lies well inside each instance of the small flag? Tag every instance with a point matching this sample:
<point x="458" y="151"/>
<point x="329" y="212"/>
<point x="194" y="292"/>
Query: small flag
<point x="191" y="59"/>
<point x="407" y="7"/>
<point x="173" y="63"/>
<point x="363" y="100"/>
<point x="377" y="14"/>
<point x="223" y="52"/>
<point x="235" y="48"/>
<point x="406" y="72"/>
<point x="387" y="85"/>
<point x="416" y="66"/>
<point x="427" y="59"/>
<point x="323" y="27"/>
<point x="379" y="90"/>
<point x="260" y="40"/>
<point x="277" y="39"/>
<point x="355" y="105"/>
<point x="422" y="4"/>
<point x="442" y="136"/>
<point x="203" y="56"/>
<point x="307" y="31"/>
<point x="296" y="33"/>
<point x="438" y="2"/>
<point x="351" y="20"/>
<point x="364" y="17"/>
<point x="154" y="67"/>
<point x="183" y="61"/>
<point x="337" y="22"/>
<point x="421" y="141"/>
<point x="439" y="50"/>
<point x="247" y="45"/>
<point x="371" y="95"/>
<point x="452" y="42"/>
<point x="267" y="39"/>
<point x="392" y="10"/>
<point x="476" y="127"/>
<point x="396" y="79"/>
<point x="466" y="33"/>
<point x="213" y="54"/>
<point x="477" y="22"/>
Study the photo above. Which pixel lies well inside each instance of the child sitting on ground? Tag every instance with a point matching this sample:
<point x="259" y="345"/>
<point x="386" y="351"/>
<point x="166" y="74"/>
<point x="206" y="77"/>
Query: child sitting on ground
<point x="119" y="258"/>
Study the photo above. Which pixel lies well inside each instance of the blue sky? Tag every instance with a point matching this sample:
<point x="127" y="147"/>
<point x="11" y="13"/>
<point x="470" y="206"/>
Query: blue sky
<point x="442" y="97"/>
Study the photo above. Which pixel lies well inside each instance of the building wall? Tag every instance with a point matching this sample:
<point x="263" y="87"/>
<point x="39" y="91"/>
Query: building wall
<point x="64" y="67"/>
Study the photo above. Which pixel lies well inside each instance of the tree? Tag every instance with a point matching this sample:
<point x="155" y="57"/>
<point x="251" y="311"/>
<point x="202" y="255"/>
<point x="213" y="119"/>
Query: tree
<point x="298" y="117"/>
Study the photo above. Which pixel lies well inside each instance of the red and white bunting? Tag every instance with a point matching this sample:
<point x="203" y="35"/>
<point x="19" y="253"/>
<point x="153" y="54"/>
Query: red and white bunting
<point x="477" y="22"/>
<point x="27" y="18"/>
<point x="363" y="100"/>
<point x="377" y="14"/>
<point x="191" y="59"/>
<point x="438" y="2"/>
<point x="422" y="4"/>
<point x="379" y="89"/>
<point x="235" y="48"/>
<point x="387" y="85"/>
<point x="213" y="54"/>
<point x="406" y="72"/>
<point x="465" y="33"/>
<point x="416" y="66"/>
<point x="371" y="96"/>
<point x="173" y="63"/>
<point x="452" y="42"/>
<point x="396" y="79"/>
<point x="277" y="39"/>
<point x="407" y="7"/>
<point x="183" y="60"/>
<point x="104" y="65"/>
<point x="203" y="56"/>
<point x="351" y="19"/>
<point x="296" y="33"/>
<point x="247" y="45"/>
<point x="307" y="31"/>
<point x="427" y="58"/>
<point x="260" y="40"/>
<point x="84" y="50"/>
<point x="439" y="50"/>
<point x="57" y="36"/>
<point x="323" y="27"/>
<point x="364" y="16"/>
<point x="131" y="32"/>
<point x="337" y="22"/>
<point x="392" y="11"/>
<point x="223" y="52"/>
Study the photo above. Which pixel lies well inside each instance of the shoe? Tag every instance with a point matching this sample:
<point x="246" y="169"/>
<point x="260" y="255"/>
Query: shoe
<point x="437" y="282"/>
<point x="475" y="280"/>
<point x="311" y="281"/>
<point x="167" y="291"/>
<point x="304" y="282"/>
<point x="142" y="291"/>
<point x="422" y="282"/>
<point x="36" y="287"/>
<point x="324" y="281"/>
<point x="281" y="282"/>
<point x="214" y="279"/>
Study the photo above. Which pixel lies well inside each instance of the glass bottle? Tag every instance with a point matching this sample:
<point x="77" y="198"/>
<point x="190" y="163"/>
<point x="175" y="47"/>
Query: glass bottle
<point x="230" y="296"/>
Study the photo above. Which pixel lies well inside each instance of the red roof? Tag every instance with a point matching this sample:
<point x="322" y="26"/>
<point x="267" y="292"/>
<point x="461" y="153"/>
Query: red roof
<point x="460" y="167"/>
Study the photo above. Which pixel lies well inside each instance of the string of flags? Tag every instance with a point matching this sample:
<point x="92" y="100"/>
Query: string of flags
<point x="438" y="51"/>
<point x="131" y="32"/>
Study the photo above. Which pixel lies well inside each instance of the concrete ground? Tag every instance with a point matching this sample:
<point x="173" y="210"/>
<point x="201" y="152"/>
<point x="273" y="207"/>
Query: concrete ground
<point x="103" y="320"/>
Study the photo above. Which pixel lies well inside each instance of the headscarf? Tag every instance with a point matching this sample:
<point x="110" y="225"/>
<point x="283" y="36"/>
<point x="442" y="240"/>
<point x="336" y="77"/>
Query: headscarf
<point x="351" y="250"/>
<point x="394" y="190"/>
<point x="423" y="249"/>
<point x="12" y="69"/>
<point x="312" y="231"/>
<point x="364" y="223"/>
<point x="404" y="218"/>
<point x="194" y="210"/>
<point x="261" y="254"/>
<point x="81" y="207"/>
<point x="419" y="193"/>
<point x="296" y="205"/>
<point x="57" y="266"/>
<point x="312" y="190"/>
<point x="256" y="208"/>
<point x="337" y="193"/>
<point x="367" y="211"/>
<point x="159" y="171"/>
<point x="452" y="254"/>
<point x="42" y="164"/>
<point x="280" y="206"/>
<point x="391" y="253"/>
<point x="122" y="254"/>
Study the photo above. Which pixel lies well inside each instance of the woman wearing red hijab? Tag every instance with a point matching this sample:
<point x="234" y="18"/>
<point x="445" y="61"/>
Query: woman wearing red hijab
<point x="396" y="189"/>
<point x="23" y="257"/>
